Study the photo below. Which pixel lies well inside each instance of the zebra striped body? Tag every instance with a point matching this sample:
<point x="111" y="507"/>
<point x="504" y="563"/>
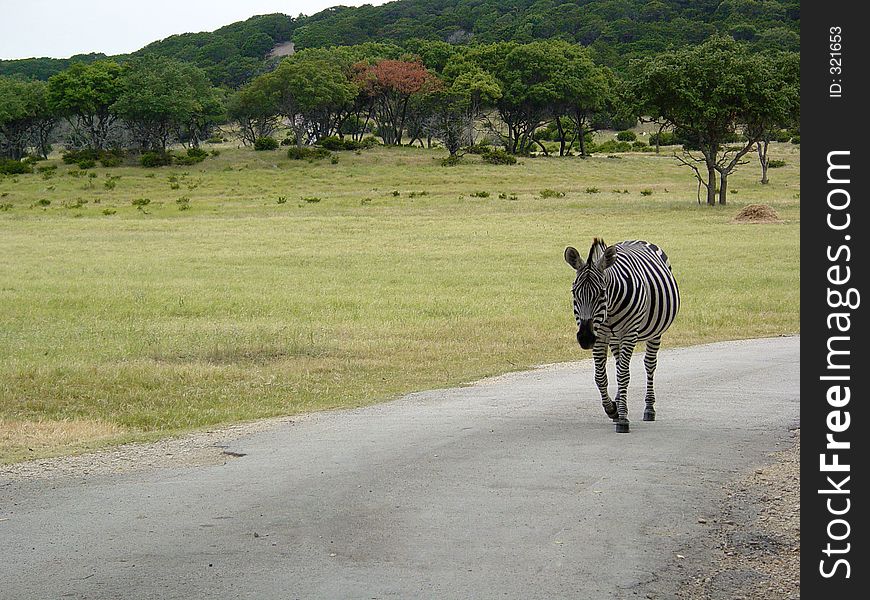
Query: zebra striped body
<point x="623" y="294"/>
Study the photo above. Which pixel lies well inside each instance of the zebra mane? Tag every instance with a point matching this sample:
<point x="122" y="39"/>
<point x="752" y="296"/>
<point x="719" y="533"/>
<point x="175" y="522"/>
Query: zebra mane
<point x="596" y="251"/>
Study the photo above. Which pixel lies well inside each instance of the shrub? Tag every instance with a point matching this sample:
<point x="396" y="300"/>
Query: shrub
<point x="333" y="142"/>
<point x="265" y="143"/>
<point x="665" y="138"/>
<point x="307" y="153"/>
<point x="141" y="202"/>
<point x="183" y="203"/>
<point x="111" y="160"/>
<point x="611" y="146"/>
<point x="86" y="164"/>
<point x="193" y="156"/>
<point x="638" y="145"/>
<point x="451" y="161"/>
<point x="481" y="148"/>
<point x="312" y="199"/>
<point x="796" y="139"/>
<point x="109" y="211"/>
<point x="74" y="156"/>
<point x="288" y="141"/>
<point x="215" y="139"/>
<point x="646" y="192"/>
<point x="626" y="136"/>
<point x="548" y="193"/>
<point x="782" y="135"/>
<point x="14" y="167"/>
<point x="43" y="202"/>
<point x="775" y="164"/>
<point x="480" y="195"/>
<point x="155" y="159"/>
<point x="592" y="190"/>
<point x="496" y="156"/>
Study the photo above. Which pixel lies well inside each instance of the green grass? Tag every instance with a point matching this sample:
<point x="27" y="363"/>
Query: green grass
<point x="141" y="321"/>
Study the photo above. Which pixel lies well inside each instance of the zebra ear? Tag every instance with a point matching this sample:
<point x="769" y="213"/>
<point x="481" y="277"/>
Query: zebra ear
<point x="607" y="258"/>
<point x="572" y="257"/>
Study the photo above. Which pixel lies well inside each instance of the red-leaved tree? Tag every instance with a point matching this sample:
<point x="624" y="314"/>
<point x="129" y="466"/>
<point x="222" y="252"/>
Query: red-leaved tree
<point x="391" y="84"/>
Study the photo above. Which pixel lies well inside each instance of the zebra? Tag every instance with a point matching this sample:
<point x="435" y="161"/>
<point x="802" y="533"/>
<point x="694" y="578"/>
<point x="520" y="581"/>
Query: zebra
<point x="623" y="294"/>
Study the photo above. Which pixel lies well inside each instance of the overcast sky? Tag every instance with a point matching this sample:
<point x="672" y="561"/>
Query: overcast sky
<point x="61" y="28"/>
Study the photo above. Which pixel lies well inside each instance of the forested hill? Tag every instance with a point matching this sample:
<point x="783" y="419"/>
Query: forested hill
<point x="616" y="30"/>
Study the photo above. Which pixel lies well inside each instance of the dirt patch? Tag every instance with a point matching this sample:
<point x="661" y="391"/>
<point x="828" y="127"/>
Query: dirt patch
<point x="757" y="213"/>
<point x="752" y="546"/>
<point x="200" y="448"/>
<point x="38" y="436"/>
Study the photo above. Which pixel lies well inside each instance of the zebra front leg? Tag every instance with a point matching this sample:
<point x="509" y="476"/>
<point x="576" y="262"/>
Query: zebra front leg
<point x="623" y="362"/>
<point x="649" y="361"/>
<point x="599" y="355"/>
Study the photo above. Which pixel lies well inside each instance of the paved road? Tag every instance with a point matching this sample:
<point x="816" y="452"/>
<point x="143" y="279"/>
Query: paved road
<point x="514" y="487"/>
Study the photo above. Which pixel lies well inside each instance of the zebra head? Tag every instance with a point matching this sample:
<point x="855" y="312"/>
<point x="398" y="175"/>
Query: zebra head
<point x="589" y="290"/>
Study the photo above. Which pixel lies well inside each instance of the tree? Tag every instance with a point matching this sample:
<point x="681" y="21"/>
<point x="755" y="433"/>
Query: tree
<point x="709" y="93"/>
<point x="391" y="84"/>
<point x="26" y="120"/>
<point x="84" y="94"/>
<point x="466" y="89"/>
<point x="255" y="109"/>
<point x="783" y="109"/>
<point x="161" y="97"/>
<point x="312" y="94"/>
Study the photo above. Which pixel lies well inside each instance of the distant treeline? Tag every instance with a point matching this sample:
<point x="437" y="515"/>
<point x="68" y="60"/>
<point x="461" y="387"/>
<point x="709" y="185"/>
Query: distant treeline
<point x="512" y="95"/>
<point x="615" y="31"/>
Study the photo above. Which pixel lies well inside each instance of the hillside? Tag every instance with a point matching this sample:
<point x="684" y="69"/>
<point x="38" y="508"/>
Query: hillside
<point x="616" y="30"/>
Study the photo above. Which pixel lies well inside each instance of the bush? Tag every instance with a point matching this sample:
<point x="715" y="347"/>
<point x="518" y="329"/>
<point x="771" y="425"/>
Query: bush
<point x="333" y="142"/>
<point x="626" y="136"/>
<point x="265" y="143"/>
<point x="548" y="193"/>
<point x="496" y="156"/>
<point x="638" y="145"/>
<point x="215" y="139"/>
<point x="782" y="136"/>
<point x="86" y="163"/>
<point x="156" y="159"/>
<point x="481" y="149"/>
<point x="665" y="138"/>
<point x="111" y="159"/>
<point x="775" y="164"/>
<point x="308" y="153"/>
<point x="194" y="155"/>
<point x="71" y="157"/>
<point x="14" y="167"/>
<point x="140" y="202"/>
<point x="796" y="139"/>
<point x="611" y="146"/>
<point x="451" y="161"/>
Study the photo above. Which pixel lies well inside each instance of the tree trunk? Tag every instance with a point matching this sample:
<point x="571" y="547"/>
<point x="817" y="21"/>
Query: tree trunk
<point x="561" y="136"/>
<point x="711" y="185"/>
<point x="581" y="137"/>
<point x="723" y="187"/>
<point x="761" y="147"/>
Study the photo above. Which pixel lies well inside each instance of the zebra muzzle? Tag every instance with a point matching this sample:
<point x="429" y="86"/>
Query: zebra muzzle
<point x="585" y="337"/>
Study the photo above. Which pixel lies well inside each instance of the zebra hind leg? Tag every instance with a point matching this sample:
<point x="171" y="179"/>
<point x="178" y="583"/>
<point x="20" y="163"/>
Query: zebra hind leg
<point x="649" y="361"/>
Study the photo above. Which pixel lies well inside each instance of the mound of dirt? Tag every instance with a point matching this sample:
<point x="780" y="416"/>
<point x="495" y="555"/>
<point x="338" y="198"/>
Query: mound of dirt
<point x="757" y="213"/>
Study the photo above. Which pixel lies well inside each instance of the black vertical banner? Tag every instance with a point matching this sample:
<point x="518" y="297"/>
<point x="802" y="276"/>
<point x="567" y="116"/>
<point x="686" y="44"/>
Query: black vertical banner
<point x="835" y="226"/>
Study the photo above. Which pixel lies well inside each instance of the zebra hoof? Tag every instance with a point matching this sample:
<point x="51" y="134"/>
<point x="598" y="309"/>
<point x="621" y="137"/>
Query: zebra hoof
<point x="649" y="415"/>
<point x="622" y="426"/>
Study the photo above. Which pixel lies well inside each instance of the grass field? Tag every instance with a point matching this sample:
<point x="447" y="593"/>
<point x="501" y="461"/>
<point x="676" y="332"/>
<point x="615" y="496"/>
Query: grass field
<point x="251" y="285"/>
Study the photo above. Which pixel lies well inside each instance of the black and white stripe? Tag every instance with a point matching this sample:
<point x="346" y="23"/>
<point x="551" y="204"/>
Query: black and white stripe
<point x="623" y="294"/>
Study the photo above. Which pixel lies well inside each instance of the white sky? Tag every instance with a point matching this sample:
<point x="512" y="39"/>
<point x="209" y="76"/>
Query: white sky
<point x="62" y="28"/>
